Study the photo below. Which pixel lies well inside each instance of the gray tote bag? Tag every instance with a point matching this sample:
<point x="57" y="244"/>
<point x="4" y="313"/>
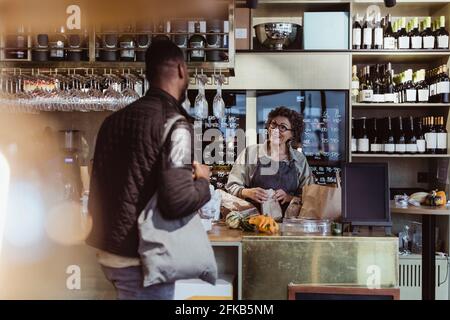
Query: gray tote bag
<point x="173" y="250"/>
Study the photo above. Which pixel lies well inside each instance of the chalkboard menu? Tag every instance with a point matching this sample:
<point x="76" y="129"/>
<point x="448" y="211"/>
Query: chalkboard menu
<point x="216" y="139"/>
<point x="324" y="134"/>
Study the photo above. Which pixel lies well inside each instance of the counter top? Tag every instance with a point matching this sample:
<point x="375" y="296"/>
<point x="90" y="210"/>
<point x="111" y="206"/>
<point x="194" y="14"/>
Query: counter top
<point x="221" y="233"/>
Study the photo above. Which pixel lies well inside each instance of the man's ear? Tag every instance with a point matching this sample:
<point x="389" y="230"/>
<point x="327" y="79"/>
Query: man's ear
<point x="181" y="71"/>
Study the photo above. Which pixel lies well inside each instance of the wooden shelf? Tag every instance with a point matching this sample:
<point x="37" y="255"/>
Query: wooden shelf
<point x="422" y="210"/>
<point x="357" y="155"/>
<point x="422" y="105"/>
<point x="399" y="56"/>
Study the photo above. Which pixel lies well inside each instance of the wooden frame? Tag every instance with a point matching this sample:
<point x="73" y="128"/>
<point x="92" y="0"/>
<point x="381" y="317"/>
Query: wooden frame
<point x="293" y="289"/>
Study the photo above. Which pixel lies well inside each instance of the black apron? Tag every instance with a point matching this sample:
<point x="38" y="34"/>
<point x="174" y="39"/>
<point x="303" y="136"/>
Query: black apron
<point x="286" y="179"/>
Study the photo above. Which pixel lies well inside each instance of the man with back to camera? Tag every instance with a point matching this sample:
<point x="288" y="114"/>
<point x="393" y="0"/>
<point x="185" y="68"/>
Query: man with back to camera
<point x="130" y="166"/>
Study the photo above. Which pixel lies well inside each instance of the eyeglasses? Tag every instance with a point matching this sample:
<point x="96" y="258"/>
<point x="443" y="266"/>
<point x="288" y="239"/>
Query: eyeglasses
<point x="281" y="127"/>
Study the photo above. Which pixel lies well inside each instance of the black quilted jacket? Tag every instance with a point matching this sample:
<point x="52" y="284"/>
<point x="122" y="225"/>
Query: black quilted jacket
<point x="130" y="165"/>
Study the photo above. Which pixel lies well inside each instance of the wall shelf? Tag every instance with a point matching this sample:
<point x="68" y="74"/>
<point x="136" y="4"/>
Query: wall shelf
<point x="399" y="56"/>
<point x="400" y="106"/>
<point x="381" y="155"/>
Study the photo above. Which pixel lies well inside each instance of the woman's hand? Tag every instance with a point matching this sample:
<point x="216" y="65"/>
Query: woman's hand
<point x="282" y="196"/>
<point x="256" y="194"/>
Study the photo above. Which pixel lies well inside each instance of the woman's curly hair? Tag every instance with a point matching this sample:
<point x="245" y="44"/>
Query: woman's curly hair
<point x="296" y="120"/>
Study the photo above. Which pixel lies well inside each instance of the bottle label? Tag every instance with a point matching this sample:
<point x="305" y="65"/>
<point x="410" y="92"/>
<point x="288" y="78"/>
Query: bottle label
<point x="428" y="42"/>
<point x="366" y="96"/>
<point x="443" y="87"/>
<point x="396" y="97"/>
<point x="403" y="42"/>
<point x="197" y="53"/>
<point x="443" y="42"/>
<point x="363" y="145"/>
<point x="389" y="43"/>
<point x="378" y="98"/>
<point x="389" y="147"/>
<point x="126" y="53"/>
<point x="368" y="37"/>
<point x="355" y="84"/>
<point x="357" y="37"/>
<point x="423" y="95"/>
<point x="374" y="147"/>
<point x="57" y="53"/>
<point x="411" y="148"/>
<point x="378" y="41"/>
<point x="421" y="146"/>
<point x="431" y="140"/>
<point x="416" y="42"/>
<point x="389" y="97"/>
<point x="433" y="90"/>
<point x="442" y="140"/>
<point x="401" y="148"/>
<point x="354" y="147"/>
<point x="411" y="95"/>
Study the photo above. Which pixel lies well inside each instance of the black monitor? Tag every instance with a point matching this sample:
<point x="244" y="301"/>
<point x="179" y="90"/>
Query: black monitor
<point x="365" y="194"/>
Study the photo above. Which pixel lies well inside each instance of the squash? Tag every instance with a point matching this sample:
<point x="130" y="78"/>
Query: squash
<point x="443" y="198"/>
<point x="233" y="220"/>
<point x="264" y="223"/>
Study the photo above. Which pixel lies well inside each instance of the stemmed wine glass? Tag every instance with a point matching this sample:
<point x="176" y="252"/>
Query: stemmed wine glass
<point x="219" y="104"/>
<point x="201" y="104"/>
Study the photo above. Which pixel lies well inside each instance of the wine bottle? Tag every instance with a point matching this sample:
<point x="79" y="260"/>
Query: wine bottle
<point x="366" y="92"/>
<point x="355" y="84"/>
<point x="416" y="38"/>
<point x="389" y="90"/>
<point x="389" y="141"/>
<point x="443" y="86"/>
<point x="378" y="95"/>
<point x="441" y="132"/>
<point x="411" y="139"/>
<point x="367" y="34"/>
<point x="389" y="37"/>
<point x="442" y="34"/>
<point x="356" y="33"/>
<point x="375" y="145"/>
<point x="421" y="145"/>
<point x="427" y="35"/>
<point x="410" y="90"/>
<point x="400" y="141"/>
<point x="431" y="136"/>
<point x="422" y="87"/>
<point x="57" y="43"/>
<point x="363" y="140"/>
<point x="127" y="44"/>
<point x="354" y="143"/>
<point x="197" y="44"/>
<point x="377" y="33"/>
<point x="403" y="37"/>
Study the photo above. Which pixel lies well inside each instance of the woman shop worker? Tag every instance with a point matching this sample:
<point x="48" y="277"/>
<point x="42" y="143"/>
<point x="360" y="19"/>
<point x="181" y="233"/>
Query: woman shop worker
<point x="276" y="164"/>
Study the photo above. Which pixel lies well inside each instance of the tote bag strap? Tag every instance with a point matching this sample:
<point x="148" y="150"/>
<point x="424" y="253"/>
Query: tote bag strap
<point x="168" y="126"/>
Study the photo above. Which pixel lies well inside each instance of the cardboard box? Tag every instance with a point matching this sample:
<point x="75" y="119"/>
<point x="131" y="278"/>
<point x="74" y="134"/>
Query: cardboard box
<point x="326" y="31"/>
<point x="243" y="30"/>
<point x="197" y="289"/>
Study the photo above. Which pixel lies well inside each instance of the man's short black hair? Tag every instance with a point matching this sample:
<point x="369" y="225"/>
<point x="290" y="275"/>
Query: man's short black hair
<point x="158" y="55"/>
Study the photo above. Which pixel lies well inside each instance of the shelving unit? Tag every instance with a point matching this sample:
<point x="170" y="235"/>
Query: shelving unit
<point x="424" y="156"/>
<point x="400" y="106"/>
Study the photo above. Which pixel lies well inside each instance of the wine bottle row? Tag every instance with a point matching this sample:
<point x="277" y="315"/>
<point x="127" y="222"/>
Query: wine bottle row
<point x="379" y="84"/>
<point x="400" y="34"/>
<point x="409" y="135"/>
<point x="199" y="40"/>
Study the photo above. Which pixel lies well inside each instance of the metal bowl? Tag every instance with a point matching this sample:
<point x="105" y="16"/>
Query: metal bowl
<point x="278" y="35"/>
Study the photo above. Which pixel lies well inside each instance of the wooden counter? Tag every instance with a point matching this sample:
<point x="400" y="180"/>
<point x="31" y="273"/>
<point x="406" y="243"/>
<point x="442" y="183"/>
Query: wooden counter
<point x="422" y="210"/>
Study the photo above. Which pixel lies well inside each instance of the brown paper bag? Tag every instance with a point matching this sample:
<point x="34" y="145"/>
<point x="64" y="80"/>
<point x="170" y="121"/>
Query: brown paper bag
<point x="321" y="202"/>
